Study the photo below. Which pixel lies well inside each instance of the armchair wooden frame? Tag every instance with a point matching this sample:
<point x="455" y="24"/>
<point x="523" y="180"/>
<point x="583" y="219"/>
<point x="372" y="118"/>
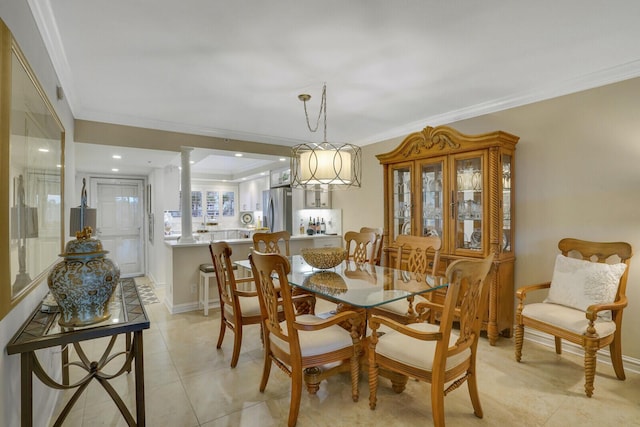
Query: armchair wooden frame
<point x="270" y="242"/>
<point x="440" y="356"/>
<point x="589" y="339"/>
<point x="358" y="246"/>
<point x="300" y="342"/>
<point x="376" y="252"/>
<point x="233" y="299"/>
<point x="418" y="254"/>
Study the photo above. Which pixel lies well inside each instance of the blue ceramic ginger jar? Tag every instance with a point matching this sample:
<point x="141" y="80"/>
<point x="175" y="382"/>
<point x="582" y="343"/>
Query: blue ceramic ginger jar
<point x="83" y="282"/>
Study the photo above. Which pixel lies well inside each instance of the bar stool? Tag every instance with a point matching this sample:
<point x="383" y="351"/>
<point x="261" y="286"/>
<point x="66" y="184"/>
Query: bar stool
<point x="206" y="272"/>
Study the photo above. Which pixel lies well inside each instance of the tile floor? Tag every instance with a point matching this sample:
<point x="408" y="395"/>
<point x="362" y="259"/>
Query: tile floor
<point x="188" y="382"/>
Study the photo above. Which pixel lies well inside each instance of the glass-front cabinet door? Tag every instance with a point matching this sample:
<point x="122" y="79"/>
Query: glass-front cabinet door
<point x="402" y="204"/>
<point x="507" y="209"/>
<point x="433" y="204"/>
<point x="468" y="203"/>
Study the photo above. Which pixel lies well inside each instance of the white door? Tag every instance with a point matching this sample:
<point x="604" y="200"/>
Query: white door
<point x="120" y="221"/>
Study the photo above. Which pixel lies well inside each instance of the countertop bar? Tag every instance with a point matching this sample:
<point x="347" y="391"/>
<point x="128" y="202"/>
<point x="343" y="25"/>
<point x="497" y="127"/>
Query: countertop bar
<point x="183" y="288"/>
<point x="175" y="243"/>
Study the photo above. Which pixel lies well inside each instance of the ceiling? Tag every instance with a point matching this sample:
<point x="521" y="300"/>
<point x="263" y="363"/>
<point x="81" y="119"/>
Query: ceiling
<point x="234" y="69"/>
<point x="205" y="163"/>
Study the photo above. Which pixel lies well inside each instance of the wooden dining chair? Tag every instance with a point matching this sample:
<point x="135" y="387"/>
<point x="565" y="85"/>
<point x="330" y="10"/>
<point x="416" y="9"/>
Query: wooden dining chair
<point x="238" y="308"/>
<point x="359" y="246"/>
<point x="272" y="243"/>
<point x="416" y="254"/>
<point x="303" y="341"/>
<point x="584" y="305"/>
<point x="376" y="252"/>
<point x="436" y="354"/>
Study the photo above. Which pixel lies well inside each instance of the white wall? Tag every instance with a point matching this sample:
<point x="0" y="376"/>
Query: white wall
<point x="17" y="15"/>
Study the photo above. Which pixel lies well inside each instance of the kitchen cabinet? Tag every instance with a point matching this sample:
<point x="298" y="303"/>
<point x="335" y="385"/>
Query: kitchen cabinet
<point x="327" y="242"/>
<point x="317" y="198"/>
<point x="250" y="193"/>
<point x="280" y="178"/>
<point x="458" y="187"/>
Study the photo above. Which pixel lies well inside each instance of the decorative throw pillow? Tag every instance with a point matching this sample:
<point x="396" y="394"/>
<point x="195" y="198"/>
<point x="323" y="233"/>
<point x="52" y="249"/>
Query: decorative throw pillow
<point x="578" y="283"/>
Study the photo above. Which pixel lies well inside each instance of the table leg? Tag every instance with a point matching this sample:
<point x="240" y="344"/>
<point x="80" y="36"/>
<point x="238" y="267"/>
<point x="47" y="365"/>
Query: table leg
<point x="139" y="368"/>
<point x="26" y="388"/>
<point x="65" y="365"/>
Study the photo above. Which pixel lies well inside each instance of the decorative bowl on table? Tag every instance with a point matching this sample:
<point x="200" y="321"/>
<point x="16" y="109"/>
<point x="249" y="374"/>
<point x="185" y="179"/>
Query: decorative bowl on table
<point x="323" y="258"/>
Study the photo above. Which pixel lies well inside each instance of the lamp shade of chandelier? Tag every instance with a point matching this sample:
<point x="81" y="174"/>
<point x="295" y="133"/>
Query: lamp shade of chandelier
<point x="326" y="165"/>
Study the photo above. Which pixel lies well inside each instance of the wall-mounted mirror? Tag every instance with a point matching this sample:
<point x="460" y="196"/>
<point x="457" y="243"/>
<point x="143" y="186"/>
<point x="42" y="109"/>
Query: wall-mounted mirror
<point x="32" y="177"/>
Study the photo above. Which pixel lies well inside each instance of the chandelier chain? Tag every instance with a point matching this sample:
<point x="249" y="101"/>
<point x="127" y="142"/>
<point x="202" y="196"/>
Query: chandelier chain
<point x="323" y="109"/>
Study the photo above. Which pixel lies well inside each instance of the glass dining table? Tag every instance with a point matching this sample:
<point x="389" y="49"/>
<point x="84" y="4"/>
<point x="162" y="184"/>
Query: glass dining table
<point x="360" y="285"/>
<point x="355" y="286"/>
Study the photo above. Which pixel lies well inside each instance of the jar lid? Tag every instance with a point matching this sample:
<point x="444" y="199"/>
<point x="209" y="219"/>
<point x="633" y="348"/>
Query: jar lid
<point x="84" y="244"/>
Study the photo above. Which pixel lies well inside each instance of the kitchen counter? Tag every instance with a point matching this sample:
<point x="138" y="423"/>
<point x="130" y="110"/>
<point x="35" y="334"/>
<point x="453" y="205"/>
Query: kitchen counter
<point x="182" y="261"/>
<point x="217" y="234"/>
<point x="203" y="239"/>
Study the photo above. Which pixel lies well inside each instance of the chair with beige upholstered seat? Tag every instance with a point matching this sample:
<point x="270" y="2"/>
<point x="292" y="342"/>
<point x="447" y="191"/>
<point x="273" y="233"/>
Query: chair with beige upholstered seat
<point x="376" y="250"/>
<point x="359" y="246"/>
<point x="238" y="308"/>
<point x="272" y="243"/>
<point x="304" y="341"/>
<point x="584" y="304"/>
<point x="436" y="353"/>
<point x="417" y="254"/>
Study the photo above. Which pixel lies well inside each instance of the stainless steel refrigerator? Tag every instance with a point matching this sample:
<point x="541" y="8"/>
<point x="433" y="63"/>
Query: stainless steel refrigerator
<point x="278" y="211"/>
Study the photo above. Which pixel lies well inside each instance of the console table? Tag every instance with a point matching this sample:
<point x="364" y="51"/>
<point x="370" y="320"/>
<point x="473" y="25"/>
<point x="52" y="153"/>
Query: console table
<point x="42" y="330"/>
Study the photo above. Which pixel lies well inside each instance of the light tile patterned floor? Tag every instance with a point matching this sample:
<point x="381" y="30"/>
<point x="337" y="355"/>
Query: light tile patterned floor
<point x="145" y="290"/>
<point x="188" y="382"/>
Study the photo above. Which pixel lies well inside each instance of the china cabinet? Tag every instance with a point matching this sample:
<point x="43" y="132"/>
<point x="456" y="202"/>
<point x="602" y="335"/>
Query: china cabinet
<point x="440" y="182"/>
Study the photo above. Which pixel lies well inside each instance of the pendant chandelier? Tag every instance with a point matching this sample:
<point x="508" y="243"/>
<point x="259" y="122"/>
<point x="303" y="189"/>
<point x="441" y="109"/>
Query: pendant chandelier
<point x="325" y="166"/>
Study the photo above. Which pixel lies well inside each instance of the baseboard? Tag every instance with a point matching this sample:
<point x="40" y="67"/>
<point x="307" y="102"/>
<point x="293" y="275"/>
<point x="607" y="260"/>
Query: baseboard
<point x="602" y="356"/>
<point x="155" y="284"/>
<point x="192" y="306"/>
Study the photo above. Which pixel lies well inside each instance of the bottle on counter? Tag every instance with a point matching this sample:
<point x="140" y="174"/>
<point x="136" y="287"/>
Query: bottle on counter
<point x="301" y="226"/>
<point x="259" y="224"/>
<point x="311" y="228"/>
<point x="323" y="227"/>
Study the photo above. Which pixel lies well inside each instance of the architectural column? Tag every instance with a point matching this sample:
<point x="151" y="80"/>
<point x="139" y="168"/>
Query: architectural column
<point x="185" y="201"/>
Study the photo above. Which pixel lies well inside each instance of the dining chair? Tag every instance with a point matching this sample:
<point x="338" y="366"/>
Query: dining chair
<point x="584" y="305"/>
<point x="376" y="252"/>
<point x="416" y="254"/>
<point x="359" y="245"/>
<point x="272" y="243"/>
<point x="303" y="341"/>
<point x="238" y="308"/>
<point x="436" y="354"/>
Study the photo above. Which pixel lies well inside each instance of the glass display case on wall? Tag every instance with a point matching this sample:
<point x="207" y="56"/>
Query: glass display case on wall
<point x="439" y="182"/>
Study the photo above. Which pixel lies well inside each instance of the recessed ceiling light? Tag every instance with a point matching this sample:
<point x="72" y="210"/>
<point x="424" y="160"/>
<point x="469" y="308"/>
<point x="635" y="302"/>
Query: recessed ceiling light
<point x="116" y="156"/>
<point x="58" y="166"/>
<point x="43" y="150"/>
<point x="191" y="162"/>
<point x="238" y="154"/>
<point x="114" y="169"/>
<point x="224" y="180"/>
<point x="282" y="159"/>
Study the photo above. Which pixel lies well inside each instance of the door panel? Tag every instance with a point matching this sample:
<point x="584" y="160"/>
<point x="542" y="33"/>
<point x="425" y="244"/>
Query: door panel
<point x="120" y="222"/>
